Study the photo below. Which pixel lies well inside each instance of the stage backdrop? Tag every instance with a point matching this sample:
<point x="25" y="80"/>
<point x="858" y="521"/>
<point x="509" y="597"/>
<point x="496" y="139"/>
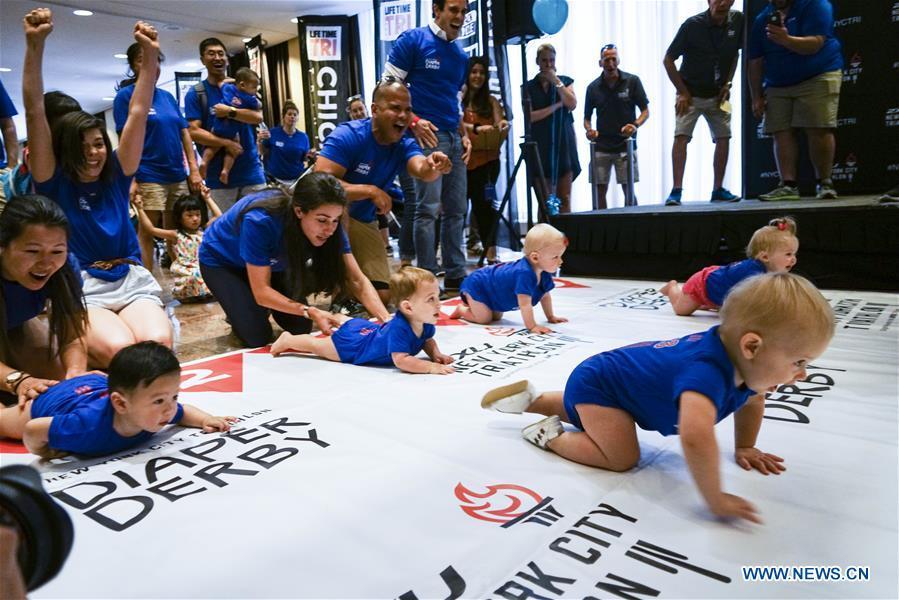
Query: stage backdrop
<point x="332" y="70"/>
<point x="867" y="159"/>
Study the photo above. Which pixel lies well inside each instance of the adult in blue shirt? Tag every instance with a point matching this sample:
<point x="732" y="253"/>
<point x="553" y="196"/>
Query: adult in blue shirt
<point x="9" y="150"/>
<point x="284" y="148"/>
<point x="160" y="178"/>
<point x="36" y="268"/>
<point x="90" y="182"/>
<point x="270" y="253"/>
<point x="199" y="107"/>
<point x="793" y="46"/>
<point x="434" y="64"/>
<point x="366" y="155"/>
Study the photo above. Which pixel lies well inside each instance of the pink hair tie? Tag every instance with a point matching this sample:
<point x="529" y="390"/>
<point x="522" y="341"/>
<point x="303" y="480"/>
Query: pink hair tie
<point x="781" y="225"/>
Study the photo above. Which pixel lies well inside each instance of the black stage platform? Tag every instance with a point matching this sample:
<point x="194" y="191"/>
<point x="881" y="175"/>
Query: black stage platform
<point x="849" y="243"/>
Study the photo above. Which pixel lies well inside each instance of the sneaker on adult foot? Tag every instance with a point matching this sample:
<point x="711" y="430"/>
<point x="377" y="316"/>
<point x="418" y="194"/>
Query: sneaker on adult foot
<point x="544" y="431"/>
<point x="782" y="192"/>
<point x="826" y="191"/>
<point x="673" y="198"/>
<point x="513" y="398"/>
<point x="724" y="195"/>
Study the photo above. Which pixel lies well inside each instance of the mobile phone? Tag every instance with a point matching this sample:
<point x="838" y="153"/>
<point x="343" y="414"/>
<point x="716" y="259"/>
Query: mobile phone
<point x="774" y="19"/>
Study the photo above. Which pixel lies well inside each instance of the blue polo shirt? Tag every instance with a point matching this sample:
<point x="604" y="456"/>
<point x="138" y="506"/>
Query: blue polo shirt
<point x="7" y="109"/>
<point x="647" y="380"/>
<point x="435" y="71"/>
<point x="99" y="224"/>
<point x="23" y="304"/>
<point x="352" y="145"/>
<point x="286" y="153"/>
<point x="783" y="67"/>
<point x="162" y="159"/>
<point x="258" y="240"/>
<point x="498" y="286"/>
<point x="362" y="342"/>
<point x="247" y="169"/>
<point x="83" y="417"/>
<point x="721" y="281"/>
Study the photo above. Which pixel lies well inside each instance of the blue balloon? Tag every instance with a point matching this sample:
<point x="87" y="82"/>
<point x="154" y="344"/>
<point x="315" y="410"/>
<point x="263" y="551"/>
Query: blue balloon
<point x="550" y="15"/>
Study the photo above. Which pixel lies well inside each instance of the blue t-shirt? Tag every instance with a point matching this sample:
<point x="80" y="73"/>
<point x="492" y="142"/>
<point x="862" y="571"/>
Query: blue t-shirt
<point x="23" y="304"/>
<point x="435" y="73"/>
<point x="232" y="96"/>
<point x="7" y="109"/>
<point x="720" y="281"/>
<point x="362" y="342"/>
<point x="647" y="380"/>
<point x="247" y="169"/>
<point x="258" y="240"/>
<point x="784" y="67"/>
<point x="162" y="160"/>
<point x="99" y="224"/>
<point x="286" y="153"/>
<point x="498" y="286"/>
<point x="83" y="417"/>
<point x="352" y="145"/>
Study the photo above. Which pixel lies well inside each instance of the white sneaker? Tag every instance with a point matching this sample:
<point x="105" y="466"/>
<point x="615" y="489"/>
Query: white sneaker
<point x="514" y="398"/>
<point x="544" y="431"/>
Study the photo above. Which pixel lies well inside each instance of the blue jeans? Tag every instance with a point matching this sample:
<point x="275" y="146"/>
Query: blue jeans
<point x="447" y="197"/>
<point x="407" y="237"/>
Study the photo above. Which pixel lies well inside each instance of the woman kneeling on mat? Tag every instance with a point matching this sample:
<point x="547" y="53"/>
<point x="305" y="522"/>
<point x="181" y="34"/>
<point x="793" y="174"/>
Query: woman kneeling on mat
<point x="36" y="267"/>
<point x="269" y="253"/>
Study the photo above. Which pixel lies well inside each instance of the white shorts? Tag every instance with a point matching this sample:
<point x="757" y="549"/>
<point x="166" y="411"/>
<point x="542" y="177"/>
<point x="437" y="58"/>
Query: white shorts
<point x="138" y="284"/>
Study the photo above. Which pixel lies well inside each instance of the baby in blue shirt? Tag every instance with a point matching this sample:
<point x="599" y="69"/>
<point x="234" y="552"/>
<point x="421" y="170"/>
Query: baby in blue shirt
<point x="240" y="94"/>
<point x="772" y="327"/>
<point x="772" y="249"/>
<point x="416" y="295"/>
<point x="96" y="415"/>
<point x="490" y="291"/>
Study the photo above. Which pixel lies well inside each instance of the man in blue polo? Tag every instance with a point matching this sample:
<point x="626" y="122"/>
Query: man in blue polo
<point x="366" y="155"/>
<point x="9" y="150"/>
<point x="246" y="175"/>
<point x="433" y="64"/>
<point x="615" y="97"/>
<point x="793" y="46"/>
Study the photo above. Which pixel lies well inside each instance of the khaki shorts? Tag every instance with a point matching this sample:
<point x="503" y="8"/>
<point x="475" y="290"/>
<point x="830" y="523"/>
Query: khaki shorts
<point x="161" y="196"/>
<point x="602" y="167"/>
<point x="369" y="252"/>
<point x="716" y="115"/>
<point x="138" y="284"/>
<point x="228" y="197"/>
<point x="812" y="103"/>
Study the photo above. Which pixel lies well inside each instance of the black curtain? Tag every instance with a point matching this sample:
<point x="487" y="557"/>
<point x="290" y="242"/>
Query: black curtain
<point x="277" y="60"/>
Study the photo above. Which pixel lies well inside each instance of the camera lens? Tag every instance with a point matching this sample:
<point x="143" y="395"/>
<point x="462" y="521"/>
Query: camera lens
<point x="44" y="528"/>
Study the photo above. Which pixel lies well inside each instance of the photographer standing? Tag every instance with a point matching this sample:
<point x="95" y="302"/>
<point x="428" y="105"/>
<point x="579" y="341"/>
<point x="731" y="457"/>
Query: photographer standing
<point x="792" y="44"/>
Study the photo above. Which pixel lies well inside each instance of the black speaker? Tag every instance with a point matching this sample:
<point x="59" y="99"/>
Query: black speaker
<point x="514" y="22"/>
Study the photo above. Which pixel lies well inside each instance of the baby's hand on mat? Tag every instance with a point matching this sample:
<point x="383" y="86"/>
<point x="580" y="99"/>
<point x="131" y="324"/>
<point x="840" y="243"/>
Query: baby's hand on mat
<point x="211" y="424"/>
<point x="439" y="369"/>
<point x="443" y="359"/>
<point x="730" y="506"/>
<point x="555" y="319"/>
<point x="540" y="329"/>
<point x="764" y="463"/>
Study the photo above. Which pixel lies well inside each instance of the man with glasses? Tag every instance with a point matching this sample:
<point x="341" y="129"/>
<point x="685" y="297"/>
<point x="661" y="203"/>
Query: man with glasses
<point x="366" y="155"/>
<point x="614" y="96"/>
<point x="434" y="64"/>
<point x="709" y="44"/>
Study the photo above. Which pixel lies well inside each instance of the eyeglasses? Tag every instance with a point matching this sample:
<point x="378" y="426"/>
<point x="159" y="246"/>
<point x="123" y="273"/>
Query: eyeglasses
<point x="352" y="99"/>
<point x="390" y="79"/>
<point x="607" y="47"/>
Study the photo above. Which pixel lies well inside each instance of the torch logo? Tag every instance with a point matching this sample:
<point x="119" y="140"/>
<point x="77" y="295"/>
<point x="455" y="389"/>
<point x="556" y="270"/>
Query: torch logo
<point x="508" y="504"/>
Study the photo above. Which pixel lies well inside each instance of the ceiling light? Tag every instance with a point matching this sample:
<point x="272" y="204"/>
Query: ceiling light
<point x="82" y="13"/>
<point x="5" y="70"/>
<point x="120" y="55"/>
<point x="295" y="20"/>
<point x="247" y="40"/>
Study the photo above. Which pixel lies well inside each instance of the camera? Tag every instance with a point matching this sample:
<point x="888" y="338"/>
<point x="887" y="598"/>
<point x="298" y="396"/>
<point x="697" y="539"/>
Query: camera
<point x="44" y="529"/>
<point x="775" y="19"/>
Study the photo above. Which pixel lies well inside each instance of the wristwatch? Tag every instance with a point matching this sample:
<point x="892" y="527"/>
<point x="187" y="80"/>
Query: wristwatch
<point x="14" y="378"/>
<point x="232" y="112"/>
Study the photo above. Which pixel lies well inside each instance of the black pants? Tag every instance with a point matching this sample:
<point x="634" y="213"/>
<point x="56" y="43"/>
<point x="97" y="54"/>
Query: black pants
<point x="483" y="210"/>
<point x="249" y="321"/>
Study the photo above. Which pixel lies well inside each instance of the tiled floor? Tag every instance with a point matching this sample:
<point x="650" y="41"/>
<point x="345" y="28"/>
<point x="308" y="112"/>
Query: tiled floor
<point x="204" y="331"/>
